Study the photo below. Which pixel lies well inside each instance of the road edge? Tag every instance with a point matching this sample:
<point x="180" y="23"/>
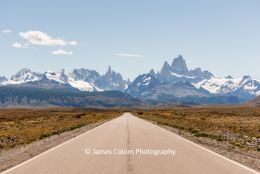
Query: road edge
<point x="204" y="148"/>
<point x="57" y="146"/>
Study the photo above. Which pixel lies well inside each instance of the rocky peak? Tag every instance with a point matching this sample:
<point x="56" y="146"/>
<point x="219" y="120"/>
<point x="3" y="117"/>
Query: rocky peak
<point x="200" y="75"/>
<point x="179" y="66"/>
<point x="64" y="75"/>
<point x="229" y="77"/>
<point x="179" y="71"/>
<point x="86" y="75"/>
<point x="25" y="75"/>
<point x="246" y="77"/>
<point x="152" y="73"/>
<point x="3" y="79"/>
<point x="197" y="70"/>
<point x="166" y="68"/>
<point x="109" y="70"/>
<point x="114" y="80"/>
<point x="111" y="74"/>
<point x="21" y="73"/>
<point x="128" y="82"/>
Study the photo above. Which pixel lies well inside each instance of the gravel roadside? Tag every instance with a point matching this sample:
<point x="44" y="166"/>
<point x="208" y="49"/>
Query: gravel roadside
<point x="247" y="158"/>
<point x="17" y="155"/>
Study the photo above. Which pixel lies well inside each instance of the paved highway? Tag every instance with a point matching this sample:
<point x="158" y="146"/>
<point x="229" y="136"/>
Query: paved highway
<point x="129" y="145"/>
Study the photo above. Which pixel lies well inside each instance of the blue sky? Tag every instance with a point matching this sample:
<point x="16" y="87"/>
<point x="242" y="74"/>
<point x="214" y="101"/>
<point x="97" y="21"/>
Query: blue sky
<point x="132" y="36"/>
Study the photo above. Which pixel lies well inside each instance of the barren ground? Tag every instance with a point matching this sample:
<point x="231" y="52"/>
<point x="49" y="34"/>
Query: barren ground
<point x="231" y="131"/>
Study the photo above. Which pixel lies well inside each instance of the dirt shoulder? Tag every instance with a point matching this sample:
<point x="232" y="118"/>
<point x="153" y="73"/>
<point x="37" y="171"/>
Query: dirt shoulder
<point x="25" y="133"/>
<point x="248" y="158"/>
<point x="14" y="156"/>
<point x="230" y="131"/>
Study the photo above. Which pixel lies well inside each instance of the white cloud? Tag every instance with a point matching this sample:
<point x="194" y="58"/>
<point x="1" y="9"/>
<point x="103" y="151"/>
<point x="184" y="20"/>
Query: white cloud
<point x="73" y="43"/>
<point x="20" y="45"/>
<point x="41" y="38"/>
<point x="128" y="55"/>
<point x="6" y="31"/>
<point x="62" y="52"/>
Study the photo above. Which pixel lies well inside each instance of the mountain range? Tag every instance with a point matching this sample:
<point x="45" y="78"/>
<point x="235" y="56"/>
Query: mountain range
<point x="81" y="79"/>
<point x="175" y="83"/>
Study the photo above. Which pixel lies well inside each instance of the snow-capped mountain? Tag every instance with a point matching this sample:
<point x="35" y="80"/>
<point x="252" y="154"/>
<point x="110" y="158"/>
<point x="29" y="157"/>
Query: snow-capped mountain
<point x="173" y="82"/>
<point x="142" y="85"/>
<point x="174" y="79"/>
<point x="114" y="81"/>
<point x="147" y="87"/>
<point x="81" y="79"/>
<point x="64" y="77"/>
<point x="23" y="76"/>
<point x="178" y="81"/>
<point x="178" y="71"/>
<point x="228" y="85"/>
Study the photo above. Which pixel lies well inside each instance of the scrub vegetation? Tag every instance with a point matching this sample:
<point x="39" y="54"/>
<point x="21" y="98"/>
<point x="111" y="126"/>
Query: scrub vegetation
<point x="23" y="126"/>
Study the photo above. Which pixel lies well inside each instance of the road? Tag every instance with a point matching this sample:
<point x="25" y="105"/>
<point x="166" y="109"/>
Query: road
<point x="128" y="133"/>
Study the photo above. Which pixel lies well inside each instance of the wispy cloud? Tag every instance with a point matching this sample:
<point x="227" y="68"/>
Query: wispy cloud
<point x="41" y="38"/>
<point x="20" y="45"/>
<point x="128" y="55"/>
<point x="62" y="52"/>
<point x="74" y="43"/>
<point x="6" y="31"/>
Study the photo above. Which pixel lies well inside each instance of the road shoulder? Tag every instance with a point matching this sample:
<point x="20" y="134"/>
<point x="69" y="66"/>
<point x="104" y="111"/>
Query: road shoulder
<point x="250" y="159"/>
<point x="17" y="155"/>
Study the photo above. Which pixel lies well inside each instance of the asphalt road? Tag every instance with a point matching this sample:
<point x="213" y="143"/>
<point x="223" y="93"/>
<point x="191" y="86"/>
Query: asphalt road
<point x="146" y="148"/>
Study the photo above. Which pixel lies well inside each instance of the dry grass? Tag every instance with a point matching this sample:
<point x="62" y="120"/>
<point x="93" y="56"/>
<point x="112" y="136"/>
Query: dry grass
<point x="239" y="126"/>
<point x="22" y="126"/>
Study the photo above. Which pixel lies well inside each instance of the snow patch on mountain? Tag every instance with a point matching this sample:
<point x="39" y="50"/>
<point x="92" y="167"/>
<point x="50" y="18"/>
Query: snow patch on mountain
<point x="214" y="85"/>
<point x="182" y="76"/>
<point x="82" y="79"/>
<point x="64" y="77"/>
<point x="23" y="76"/>
<point x="228" y="85"/>
<point x="146" y="80"/>
<point x="81" y="85"/>
<point x="55" y="76"/>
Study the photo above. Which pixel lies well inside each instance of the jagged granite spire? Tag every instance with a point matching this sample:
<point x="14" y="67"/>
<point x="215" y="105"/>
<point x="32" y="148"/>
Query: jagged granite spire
<point x="166" y="68"/>
<point x="179" y="66"/>
<point x="113" y="80"/>
<point x="152" y="73"/>
<point x="25" y="75"/>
